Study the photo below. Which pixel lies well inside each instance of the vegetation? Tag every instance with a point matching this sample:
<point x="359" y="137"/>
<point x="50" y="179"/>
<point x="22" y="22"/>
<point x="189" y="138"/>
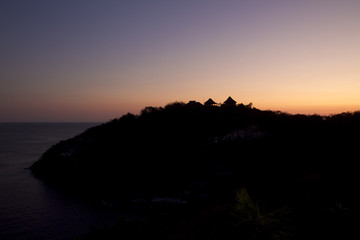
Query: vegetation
<point x="238" y="219"/>
<point x="256" y="223"/>
<point x="183" y="164"/>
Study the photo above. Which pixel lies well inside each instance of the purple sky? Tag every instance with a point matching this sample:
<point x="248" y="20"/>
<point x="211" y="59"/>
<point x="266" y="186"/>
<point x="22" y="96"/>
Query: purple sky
<point x="96" y="60"/>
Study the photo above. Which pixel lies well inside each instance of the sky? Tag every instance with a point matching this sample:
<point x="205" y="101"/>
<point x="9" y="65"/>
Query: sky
<point x="95" y="60"/>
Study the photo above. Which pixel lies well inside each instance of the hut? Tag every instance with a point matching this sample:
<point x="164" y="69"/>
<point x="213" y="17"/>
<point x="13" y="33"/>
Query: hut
<point x="193" y="103"/>
<point x="230" y="102"/>
<point x="210" y="102"/>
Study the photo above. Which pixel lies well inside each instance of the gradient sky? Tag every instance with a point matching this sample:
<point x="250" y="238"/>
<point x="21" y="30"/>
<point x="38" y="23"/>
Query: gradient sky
<point x="94" y="60"/>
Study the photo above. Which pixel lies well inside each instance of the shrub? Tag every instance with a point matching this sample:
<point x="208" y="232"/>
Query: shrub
<point x="256" y="223"/>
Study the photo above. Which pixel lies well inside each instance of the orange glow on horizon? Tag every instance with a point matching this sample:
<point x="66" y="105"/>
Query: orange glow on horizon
<point x="291" y="56"/>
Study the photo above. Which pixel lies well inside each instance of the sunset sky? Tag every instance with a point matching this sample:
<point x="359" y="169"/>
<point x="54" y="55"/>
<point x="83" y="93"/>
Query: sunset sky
<point x="94" y="60"/>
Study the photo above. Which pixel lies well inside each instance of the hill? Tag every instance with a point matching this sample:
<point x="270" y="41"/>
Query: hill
<point x="202" y="155"/>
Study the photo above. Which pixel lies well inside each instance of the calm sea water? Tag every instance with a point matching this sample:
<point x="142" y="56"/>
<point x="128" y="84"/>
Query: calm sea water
<point x="30" y="209"/>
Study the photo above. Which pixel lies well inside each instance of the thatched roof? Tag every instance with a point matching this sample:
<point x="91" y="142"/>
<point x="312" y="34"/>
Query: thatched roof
<point x="210" y="102"/>
<point x="230" y="101"/>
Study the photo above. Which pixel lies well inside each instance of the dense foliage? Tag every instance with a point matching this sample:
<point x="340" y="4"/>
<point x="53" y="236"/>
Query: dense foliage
<point x="202" y="155"/>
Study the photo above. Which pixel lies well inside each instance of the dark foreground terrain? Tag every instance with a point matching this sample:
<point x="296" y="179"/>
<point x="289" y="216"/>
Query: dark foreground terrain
<point x="193" y="171"/>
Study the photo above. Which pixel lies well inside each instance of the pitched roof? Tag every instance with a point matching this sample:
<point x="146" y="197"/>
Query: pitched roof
<point x="210" y="102"/>
<point x="230" y="101"/>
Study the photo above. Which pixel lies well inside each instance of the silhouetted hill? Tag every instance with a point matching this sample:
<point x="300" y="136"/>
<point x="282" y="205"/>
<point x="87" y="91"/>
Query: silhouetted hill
<point x="195" y="154"/>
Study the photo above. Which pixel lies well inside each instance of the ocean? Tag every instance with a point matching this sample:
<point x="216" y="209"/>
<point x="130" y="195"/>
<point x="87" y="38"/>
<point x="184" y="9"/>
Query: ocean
<point x="31" y="209"/>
